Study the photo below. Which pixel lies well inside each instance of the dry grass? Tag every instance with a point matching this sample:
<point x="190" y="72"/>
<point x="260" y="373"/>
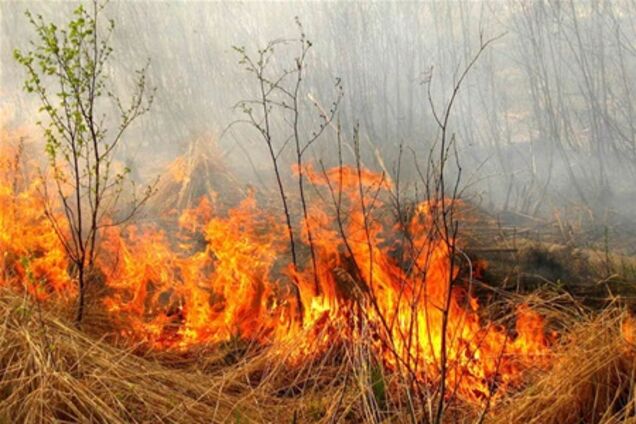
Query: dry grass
<point x="52" y="372"/>
<point x="591" y="379"/>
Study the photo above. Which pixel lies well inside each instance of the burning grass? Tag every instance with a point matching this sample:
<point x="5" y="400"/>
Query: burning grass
<point x="52" y="372"/>
<point x="591" y="378"/>
<point x="198" y="321"/>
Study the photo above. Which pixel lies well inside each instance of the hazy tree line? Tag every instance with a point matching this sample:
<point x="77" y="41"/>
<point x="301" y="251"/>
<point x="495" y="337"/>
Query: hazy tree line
<point x="545" y="117"/>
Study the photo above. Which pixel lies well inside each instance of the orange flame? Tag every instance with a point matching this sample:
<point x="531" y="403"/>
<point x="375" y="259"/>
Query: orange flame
<point x="30" y="253"/>
<point x="229" y="274"/>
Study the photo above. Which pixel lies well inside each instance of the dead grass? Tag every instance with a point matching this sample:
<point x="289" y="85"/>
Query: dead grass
<point x="52" y="372"/>
<point x="591" y="379"/>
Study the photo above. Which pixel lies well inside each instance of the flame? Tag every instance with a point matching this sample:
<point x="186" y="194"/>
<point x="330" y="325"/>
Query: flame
<point x="224" y="274"/>
<point x="30" y="253"/>
<point x="628" y="330"/>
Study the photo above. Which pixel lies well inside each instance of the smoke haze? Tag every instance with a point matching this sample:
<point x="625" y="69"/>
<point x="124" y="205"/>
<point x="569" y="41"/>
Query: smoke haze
<point x="544" y="119"/>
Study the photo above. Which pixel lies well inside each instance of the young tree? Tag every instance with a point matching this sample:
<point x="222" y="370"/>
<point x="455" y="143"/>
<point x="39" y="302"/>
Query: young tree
<point x="66" y="69"/>
<point x="280" y="95"/>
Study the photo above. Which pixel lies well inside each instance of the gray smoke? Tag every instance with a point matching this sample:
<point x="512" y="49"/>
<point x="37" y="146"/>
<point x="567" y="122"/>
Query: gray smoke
<point x="545" y="118"/>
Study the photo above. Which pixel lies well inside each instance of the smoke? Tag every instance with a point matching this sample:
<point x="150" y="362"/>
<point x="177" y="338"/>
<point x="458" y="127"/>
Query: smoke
<point x="545" y="118"/>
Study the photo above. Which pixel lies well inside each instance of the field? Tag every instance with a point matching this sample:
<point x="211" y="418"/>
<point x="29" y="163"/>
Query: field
<point x="548" y="323"/>
<point x="376" y="212"/>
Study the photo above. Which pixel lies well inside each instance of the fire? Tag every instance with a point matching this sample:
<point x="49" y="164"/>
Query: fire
<point x="223" y="274"/>
<point x="30" y="253"/>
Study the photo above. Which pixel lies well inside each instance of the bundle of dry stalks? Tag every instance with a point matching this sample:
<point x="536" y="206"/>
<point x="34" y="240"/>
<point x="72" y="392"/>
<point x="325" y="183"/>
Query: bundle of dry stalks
<point x="193" y="175"/>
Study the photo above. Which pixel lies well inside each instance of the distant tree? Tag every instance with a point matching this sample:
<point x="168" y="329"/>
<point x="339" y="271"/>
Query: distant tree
<point x="66" y="68"/>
